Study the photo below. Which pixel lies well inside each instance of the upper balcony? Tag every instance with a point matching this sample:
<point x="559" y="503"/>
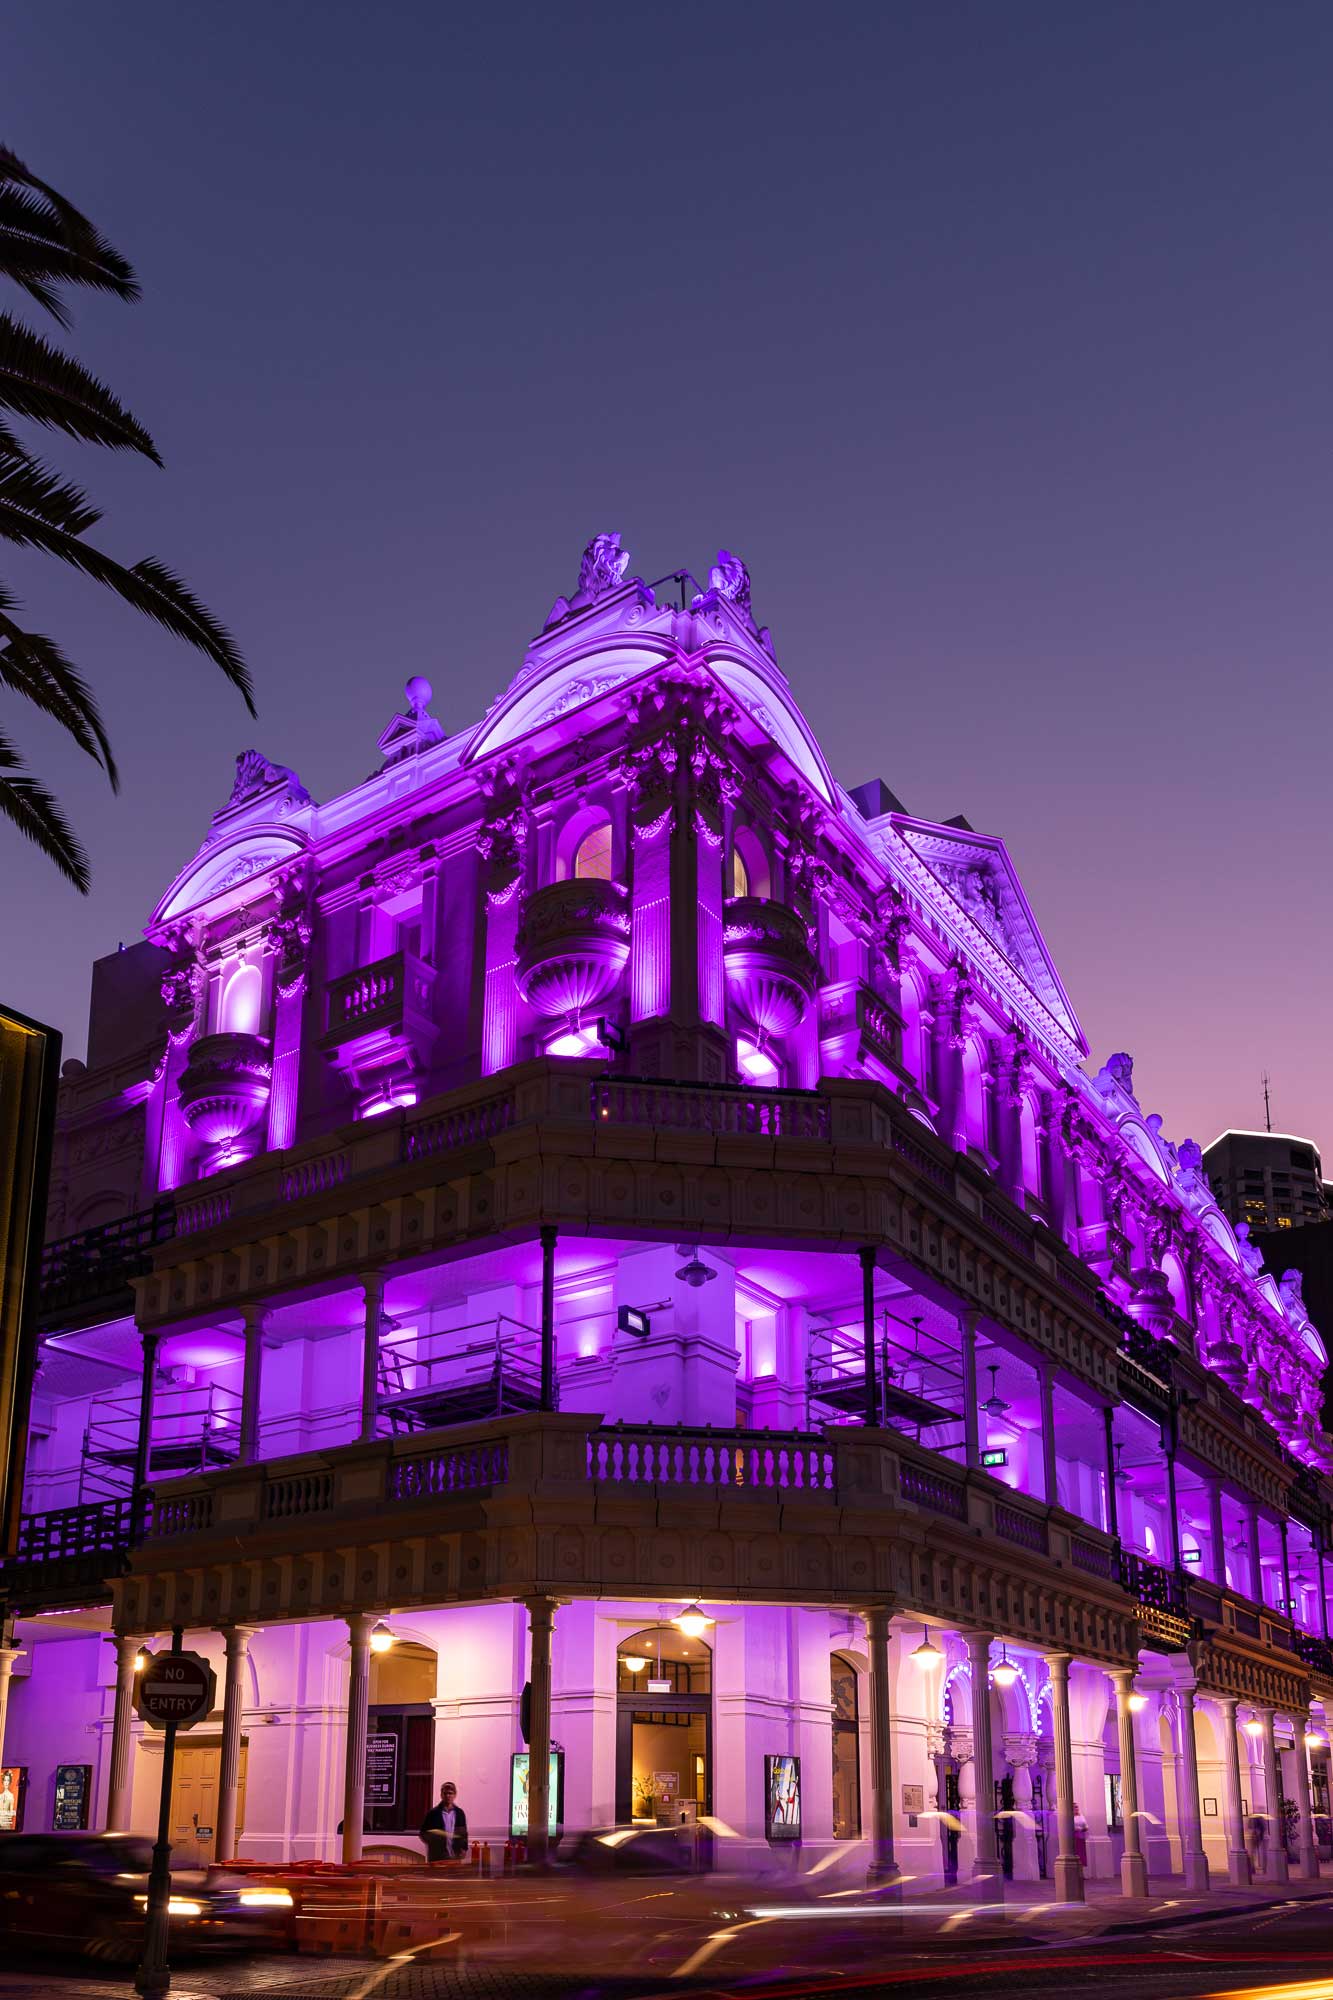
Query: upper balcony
<point x="572" y="947"/>
<point x="381" y="1027"/>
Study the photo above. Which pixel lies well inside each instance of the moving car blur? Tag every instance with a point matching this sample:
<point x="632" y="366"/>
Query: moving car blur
<point x="88" y="1892"/>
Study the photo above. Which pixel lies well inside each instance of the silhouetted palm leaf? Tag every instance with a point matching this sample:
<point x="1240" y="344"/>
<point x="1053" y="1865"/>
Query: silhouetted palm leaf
<point x="31" y="808"/>
<point x="39" y="382"/>
<point x="46" y="244"/>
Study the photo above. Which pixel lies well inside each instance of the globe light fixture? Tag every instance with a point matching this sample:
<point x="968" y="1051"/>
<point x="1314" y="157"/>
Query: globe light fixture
<point x="140" y="1662"/>
<point x="1137" y="1703"/>
<point x="927" y="1654"/>
<point x="1254" y="1727"/>
<point x="633" y="1663"/>
<point x="1004" y="1673"/>
<point x="692" y="1621"/>
<point x="381" y="1638"/>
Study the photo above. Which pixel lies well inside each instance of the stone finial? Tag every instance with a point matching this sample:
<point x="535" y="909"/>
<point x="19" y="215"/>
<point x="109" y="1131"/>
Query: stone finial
<point x="418" y="692"/>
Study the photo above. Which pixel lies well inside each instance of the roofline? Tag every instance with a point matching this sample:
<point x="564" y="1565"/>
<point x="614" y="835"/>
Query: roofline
<point x="1241" y="1132"/>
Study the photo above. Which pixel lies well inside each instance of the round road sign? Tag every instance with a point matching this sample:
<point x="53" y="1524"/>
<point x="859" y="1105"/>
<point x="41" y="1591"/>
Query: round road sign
<point x="178" y="1688"/>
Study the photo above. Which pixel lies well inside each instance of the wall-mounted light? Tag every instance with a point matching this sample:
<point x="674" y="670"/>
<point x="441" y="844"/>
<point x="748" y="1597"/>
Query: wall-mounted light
<point x="1004" y="1673"/>
<point x="1254" y="1727"/>
<point x="140" y="1662"/>
<point x="381" y="1638"/>
<point x="693" y="1621"/>
<point x="1137" y="1703"/>
<point x="694" y="1272"/>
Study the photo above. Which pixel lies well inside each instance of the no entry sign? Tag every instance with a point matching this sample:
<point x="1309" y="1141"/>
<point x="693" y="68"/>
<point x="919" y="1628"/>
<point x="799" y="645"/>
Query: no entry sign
<point x="178" y="1688"/>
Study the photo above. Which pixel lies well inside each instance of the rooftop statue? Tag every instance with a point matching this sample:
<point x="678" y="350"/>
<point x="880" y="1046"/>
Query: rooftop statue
<point x="731" y="579"/>
<point x="601" y="571"/>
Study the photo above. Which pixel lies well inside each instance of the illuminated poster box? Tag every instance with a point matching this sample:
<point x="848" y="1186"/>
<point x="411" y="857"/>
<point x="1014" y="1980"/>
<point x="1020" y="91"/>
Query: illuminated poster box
<point x="782" y="1798"/>
<point x="518" y="1794"/>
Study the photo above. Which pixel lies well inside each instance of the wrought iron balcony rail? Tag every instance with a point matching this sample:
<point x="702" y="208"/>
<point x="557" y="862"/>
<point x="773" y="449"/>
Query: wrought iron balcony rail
<point x="94" y="1264"/>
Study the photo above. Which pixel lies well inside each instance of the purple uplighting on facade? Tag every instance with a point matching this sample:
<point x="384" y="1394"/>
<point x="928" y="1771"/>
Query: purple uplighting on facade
<point x="602" y="1098"/>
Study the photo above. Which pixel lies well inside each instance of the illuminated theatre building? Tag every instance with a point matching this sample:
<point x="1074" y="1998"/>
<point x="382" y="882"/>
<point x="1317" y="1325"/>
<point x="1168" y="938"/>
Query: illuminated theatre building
<point x="599" y="1206"/>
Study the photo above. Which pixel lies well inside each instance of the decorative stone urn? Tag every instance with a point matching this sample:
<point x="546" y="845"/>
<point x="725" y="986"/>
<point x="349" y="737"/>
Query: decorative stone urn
<point x="1150" y="1303"/>
<point x="769" y="966"/>
<point x="225" y="1086"/>
<point x="572" y="946"/>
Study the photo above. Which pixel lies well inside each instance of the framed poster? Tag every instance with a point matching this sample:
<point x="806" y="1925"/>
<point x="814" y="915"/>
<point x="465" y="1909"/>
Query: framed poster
<point x="914" y="1798"/>
<point x="74" y="1784"/>
<point x="13" y="1792"/>
<point x="518" y="1794"/>
<point x="382" y="1769"/>
<point x="782" y="1798"/>
<point x="1210" y="1808"/>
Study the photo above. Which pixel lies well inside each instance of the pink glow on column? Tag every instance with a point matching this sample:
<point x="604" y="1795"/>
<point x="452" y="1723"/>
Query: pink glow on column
<point x="499" y="1035"/>
<point x="283" y="1089"/>
<point x="174" y="1158"/>
<point x="712" y="981"/>
<point x="650" y="925"/>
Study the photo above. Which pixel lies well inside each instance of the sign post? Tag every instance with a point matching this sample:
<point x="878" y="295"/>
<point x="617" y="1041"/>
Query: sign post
<point x="174" y="1691"/>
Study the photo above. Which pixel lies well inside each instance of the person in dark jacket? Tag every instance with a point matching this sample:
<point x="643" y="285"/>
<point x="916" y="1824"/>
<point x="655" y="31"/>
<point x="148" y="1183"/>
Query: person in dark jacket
<point x="444" y="1829"/>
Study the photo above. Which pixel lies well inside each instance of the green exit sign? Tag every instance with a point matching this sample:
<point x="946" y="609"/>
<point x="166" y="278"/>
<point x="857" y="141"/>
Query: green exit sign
<point x="995" y="1458"/>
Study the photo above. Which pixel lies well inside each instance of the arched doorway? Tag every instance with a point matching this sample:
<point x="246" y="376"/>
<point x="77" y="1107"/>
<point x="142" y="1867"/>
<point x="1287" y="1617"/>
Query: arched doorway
<point x="846" y="1749"/>
<point x="664" y="1724"/>
<point x="400" y="1737"/>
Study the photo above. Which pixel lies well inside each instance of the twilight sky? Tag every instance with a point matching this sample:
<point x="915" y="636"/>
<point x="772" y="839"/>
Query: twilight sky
<point x="995" y="337"/>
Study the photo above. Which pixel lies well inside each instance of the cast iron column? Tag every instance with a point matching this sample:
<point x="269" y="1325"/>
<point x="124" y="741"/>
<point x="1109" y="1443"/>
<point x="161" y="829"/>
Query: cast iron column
<point x="122" y="1736"/>
<point x="1068" y="1867"/>
<point x="1133" y="1867"/>
<point x="1277" y="1869"/>
<point x="866" y="1256"/>
<point x="986" y="1857"/>
<point x="358" y="1702"/>
<point x="1239" y="1870"/>
<point x="541" y="1623"/>
<point x="1193" y="1859"/>
<point x="883" y="1867"/>
<point x="372" y="1285"/>
<point x="229" y="1762"/>
<point x="548" y="1238"/>
<point x="252" y="1369"/>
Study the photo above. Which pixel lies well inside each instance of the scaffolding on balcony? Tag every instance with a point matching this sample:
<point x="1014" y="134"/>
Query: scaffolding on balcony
<point x="196" y="1428"/>
<point x="458" y="1374"/>
<point x="918" y="1380"/>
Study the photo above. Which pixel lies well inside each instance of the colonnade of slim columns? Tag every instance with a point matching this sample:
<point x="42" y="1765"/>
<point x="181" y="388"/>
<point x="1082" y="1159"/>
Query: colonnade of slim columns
<point x="882" y="1867"/>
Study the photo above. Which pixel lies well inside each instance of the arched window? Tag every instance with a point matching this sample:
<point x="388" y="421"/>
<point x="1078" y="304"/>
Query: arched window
<point x="846" y="1750"/>
<point x="592" y="856"/>
<point x="749" y="872"/>
<point x="242" y="998"/>
<point x="404" y="1682"/>
<point x="1030" y="1149"/>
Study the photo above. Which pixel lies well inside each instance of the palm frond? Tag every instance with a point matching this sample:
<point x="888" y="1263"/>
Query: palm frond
<point x="27" y="486"/>
<point x="149" y="586"/>
<point x="33" y="666"/>
<point x="31" y="808"/>
<point x="58" y="226"/>
<point x="37" y="381"/>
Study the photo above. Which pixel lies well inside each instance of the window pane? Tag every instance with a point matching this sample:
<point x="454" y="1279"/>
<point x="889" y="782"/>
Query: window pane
<point x="593" y="859"/>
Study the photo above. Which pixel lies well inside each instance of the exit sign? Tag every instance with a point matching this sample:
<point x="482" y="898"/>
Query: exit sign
<point x="995" y="1458"/>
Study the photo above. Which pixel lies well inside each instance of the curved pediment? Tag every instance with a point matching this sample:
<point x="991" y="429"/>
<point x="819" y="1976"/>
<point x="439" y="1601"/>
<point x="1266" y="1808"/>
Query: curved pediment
<point x="224" y="866"/>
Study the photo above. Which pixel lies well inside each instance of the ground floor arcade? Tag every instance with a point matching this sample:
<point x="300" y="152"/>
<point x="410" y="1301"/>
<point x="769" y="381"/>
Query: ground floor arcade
<point x="846" y="1737"/>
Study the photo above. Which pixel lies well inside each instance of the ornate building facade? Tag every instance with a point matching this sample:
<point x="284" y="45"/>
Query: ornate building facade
<point x="597" y="1208"/>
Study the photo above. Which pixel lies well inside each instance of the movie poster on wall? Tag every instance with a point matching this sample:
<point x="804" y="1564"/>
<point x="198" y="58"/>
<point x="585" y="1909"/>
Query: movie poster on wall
<point x="518" y="1794"/>
<point x="13" y="1788"/>
<point x="782" y="1798"/>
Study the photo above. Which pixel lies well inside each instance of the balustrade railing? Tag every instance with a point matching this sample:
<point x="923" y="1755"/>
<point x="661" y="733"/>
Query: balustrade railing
<point x="459" y="1127"/>
<point x="462" y="1468"/>
<point x="917" y="1157"/>
<point x="1316" y="1653"/>
<point x="710" y="1107"/>
<point x="1097" y="1558"/>
<point x="106" y="1528"/>
<point x="1028" y="1530"/>
<point x="765" y="1461"/>
<point x="181" y="1513"/>
<point x="391" y="987"/>
<point x="934" y="1490"/>
<point x="292" y="1496"/>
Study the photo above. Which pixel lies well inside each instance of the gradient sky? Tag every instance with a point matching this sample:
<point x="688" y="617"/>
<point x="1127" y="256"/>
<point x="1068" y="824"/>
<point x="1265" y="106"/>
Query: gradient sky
<point x="995" y="337"/>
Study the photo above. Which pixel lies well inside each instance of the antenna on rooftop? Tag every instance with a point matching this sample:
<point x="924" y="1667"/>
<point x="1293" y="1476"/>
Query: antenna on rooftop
<point x="1268" y="1115"/>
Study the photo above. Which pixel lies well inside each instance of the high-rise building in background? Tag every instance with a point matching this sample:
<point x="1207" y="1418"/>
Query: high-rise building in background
<point x="29" y="1074"/>
<point x="1271" y="1180"/>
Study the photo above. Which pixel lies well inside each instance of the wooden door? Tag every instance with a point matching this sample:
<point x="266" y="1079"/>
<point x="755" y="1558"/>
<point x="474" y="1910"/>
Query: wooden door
<point x="194" y="1802"/>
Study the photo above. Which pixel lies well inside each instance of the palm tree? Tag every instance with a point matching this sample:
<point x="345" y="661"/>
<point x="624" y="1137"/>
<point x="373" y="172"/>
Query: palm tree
<point x="45" y="247"/>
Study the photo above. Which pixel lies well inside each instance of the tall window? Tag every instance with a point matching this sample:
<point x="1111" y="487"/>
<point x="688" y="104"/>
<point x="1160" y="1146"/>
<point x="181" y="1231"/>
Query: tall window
<point x="846" y="1751"/>
<point x="592" y="856"/>
<point x="749" y="872"/>
<point x="241" y="1001"/>
<point x="740" y="881"/>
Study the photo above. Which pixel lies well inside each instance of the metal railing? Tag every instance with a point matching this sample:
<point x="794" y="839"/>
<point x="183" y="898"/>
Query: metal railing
<point x="94" y="1263"/>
